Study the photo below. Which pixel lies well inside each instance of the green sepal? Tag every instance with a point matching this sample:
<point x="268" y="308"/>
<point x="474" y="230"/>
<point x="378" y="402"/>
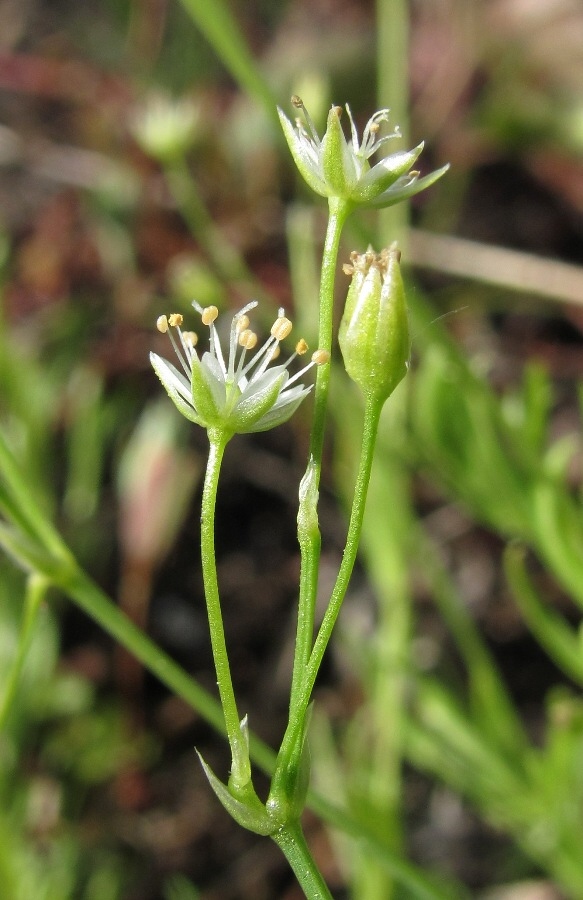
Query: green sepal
<point x="202" y="395"/>
<point x="337" y="163"/>
<point x="246" y="809"/>
<point x="305" y="166"/>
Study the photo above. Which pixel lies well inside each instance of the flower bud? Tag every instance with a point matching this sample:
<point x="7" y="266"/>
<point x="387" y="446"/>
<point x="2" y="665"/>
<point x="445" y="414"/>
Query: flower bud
<point x="374" y="332"/>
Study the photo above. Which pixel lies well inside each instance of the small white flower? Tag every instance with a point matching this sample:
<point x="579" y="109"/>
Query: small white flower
<point x="242" y="392"/>
<point x="336" y="167"/>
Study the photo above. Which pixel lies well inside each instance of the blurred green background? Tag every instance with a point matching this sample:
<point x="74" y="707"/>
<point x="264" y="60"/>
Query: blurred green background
<point x="141" y="166"/>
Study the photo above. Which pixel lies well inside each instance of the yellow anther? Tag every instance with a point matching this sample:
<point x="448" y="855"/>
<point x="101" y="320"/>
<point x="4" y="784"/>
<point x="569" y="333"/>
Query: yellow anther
<point x="281" y="328"/>
<point x="242" y="323"/>
<point x="209" y="314"/>
<point x="191" y="337"/>
<point x="247" y="339"/>
<point x="320" y="357"/>
<point x="162" y="324"/>
<point x="301" y="347"/>
<point x="175" y="320"/>
<point x="275" y="352"/>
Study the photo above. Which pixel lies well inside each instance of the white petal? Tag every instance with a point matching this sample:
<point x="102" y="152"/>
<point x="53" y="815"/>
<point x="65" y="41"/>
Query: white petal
<point x="176" y="387"/>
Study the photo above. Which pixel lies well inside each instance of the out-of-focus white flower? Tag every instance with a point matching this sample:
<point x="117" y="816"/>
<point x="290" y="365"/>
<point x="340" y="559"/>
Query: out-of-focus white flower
<point x="239" y="393"/>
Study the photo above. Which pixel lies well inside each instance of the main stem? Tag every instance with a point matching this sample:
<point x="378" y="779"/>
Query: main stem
<point x="294" y="731"/>
<point x="241" y="769"/>
<point x="308" y="531"/>
<point x="292" y="843"/>
<point x="339" y="210"/>
<point x="370" y="428"/>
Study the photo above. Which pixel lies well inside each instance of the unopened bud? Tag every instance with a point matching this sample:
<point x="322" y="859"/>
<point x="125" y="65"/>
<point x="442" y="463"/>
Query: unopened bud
<point x="374" y="332"/>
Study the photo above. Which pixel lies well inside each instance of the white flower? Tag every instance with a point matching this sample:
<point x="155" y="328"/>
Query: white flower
<point x="243" y="393"/>
<point x="337" y="167"/>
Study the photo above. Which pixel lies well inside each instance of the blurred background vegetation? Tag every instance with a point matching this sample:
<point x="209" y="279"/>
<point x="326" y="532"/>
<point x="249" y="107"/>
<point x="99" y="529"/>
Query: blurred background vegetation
<point x="449" y="716"/>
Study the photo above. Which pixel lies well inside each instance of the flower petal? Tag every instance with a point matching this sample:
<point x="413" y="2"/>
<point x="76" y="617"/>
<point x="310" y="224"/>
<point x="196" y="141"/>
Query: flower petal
<point x="259" y="397"/>
<point x="176" y="387"/>
<point x="281" y="411"/>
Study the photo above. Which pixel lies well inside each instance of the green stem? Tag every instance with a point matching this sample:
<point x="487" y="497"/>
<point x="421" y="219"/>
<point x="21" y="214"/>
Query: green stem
<point x="100" y="608"/>
<point x="339" y="210"/>
<point x="216" y="21"/>
<point x="36" y="589"/>
<point x="291" y="743"/>
<point x="292" y="843"/>
<point x="370" y="428"/>
<point x="241" y="768"/>
<point x="18" y="503"/>
<point x="308" y="530"/>
<point x="77" y="585"/>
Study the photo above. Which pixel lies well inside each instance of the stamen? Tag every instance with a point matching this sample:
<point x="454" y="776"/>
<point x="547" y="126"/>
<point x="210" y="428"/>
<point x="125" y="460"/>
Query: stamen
<point x="301" y="347"/>
<point x="183" y="361"/>
<point x="247" y="339"/>
<point x="353" y="131"/>
<point x="162" y="324"/>
<point x="319" y="357"/>
<point x="239" y="323"/>
<point x="209" y="314"/>
<point x="276" y="353"/>
<point x="175" y="320"/>
<point x="188" y="339"/>
<point x="281" y="328"/>
<point x="313" y="134"/>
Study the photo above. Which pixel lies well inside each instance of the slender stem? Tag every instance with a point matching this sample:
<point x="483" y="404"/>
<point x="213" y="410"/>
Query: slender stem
<point x="309" y="543"/>
<point x="18" y="503"/>
<point x="370" y="428"/>
<point x="36" y="589"/>
<point x="241" y="769"/>
<point x="292" y="843"/>
<point x="339" y="210"/>
<point x="308" y="530"/>
<point x="290" y="743"/>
